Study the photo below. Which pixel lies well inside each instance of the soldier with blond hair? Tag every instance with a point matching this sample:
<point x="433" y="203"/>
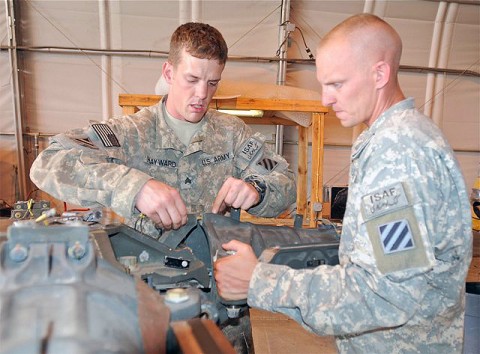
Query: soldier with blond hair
<point x="406" y="241"/>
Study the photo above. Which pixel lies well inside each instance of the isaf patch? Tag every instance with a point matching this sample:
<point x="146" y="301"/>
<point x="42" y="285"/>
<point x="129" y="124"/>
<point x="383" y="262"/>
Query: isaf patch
<point x="393" y="230"/>
<point x="267" y="164"/>
<point x="250" y="149"/>
<point x="384" y="200"/>
<point x="106" y="135"/>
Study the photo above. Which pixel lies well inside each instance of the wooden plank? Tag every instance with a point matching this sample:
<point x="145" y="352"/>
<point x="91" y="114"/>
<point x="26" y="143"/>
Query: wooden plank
<point x="302" y="171"/>
<point x="473" y="275"/>
<point x="235" y="103"/>
<point x="474" y="270"/>
<point x="127" y="110"/>
<point x="268" y="121"/>
<point x="138" y="100"/>
<point x="245" y="217"/>
<point x="201" y="336"/>
<point x="270" y="104"/>
<point x="316" y="197"/>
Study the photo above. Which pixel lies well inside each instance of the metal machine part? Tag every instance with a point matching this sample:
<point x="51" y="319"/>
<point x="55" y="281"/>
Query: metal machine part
<point x="29" y="209"/>
<point x="57" y="297"/>
<point x="87" y="289"/>
<point x="184" y="258"/>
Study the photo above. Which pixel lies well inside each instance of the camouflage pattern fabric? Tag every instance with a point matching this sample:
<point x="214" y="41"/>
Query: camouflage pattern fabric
<point x="405" y="296"/>
<point x="107" y="164"/>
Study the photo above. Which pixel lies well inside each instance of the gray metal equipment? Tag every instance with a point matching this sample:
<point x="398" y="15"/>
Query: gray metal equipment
<point x="73" y="288"/>
<point x="184" y="257"/>
<point x="57" y="296"/>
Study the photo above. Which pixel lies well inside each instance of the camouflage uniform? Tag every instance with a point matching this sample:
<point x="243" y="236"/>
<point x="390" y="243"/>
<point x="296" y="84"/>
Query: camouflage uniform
<point x="405" y="249"/>
<point x="109" y="163"/>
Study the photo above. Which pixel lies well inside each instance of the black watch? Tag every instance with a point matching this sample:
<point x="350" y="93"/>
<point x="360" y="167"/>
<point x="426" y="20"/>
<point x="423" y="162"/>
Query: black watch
<point x="259" y="185"/>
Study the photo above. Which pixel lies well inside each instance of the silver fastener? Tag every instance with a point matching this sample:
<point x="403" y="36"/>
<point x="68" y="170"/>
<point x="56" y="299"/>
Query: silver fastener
<point x="18" y="253"/>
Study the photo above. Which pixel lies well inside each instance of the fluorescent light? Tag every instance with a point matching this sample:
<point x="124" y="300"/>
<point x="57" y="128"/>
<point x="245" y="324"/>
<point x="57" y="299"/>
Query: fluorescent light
<point x="243" y="113"/>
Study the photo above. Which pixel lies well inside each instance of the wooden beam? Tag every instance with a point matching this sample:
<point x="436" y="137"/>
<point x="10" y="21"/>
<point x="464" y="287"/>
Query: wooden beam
<point x="235" y="103"/>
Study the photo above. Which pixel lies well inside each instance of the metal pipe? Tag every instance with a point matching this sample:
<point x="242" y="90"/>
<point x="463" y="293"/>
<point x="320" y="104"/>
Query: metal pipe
<point x="283" y="35"/>
<point x="196" y="11"/>
<point x="460" y="2"/>
<point x="439" y="98"/>
<point x="164" y="54"/>
<point x="184" y="11"/>
<point x="106" y="67"/>
<point x="433" y="59"/>
<point x="36" y="145"/>
<point x="16" y="102"/>
<point x="40" y="135"/>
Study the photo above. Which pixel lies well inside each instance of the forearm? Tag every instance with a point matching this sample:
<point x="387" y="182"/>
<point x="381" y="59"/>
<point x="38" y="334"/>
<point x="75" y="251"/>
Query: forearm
<point x="280" y="193"/>
<point x="331" y="300"/>
<point x="79" y="178"/>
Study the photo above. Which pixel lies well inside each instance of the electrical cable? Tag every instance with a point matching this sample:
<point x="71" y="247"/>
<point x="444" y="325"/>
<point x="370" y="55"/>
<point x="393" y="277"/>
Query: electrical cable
<point x="307" y="49"/>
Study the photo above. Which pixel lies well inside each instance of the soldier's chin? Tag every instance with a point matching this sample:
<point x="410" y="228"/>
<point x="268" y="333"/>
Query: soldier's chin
<point x="195" y="117"/>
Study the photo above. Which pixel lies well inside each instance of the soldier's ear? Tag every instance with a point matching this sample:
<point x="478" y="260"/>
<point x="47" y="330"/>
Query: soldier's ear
<point x="167" y="72"/>
<point x="382" y="74"/>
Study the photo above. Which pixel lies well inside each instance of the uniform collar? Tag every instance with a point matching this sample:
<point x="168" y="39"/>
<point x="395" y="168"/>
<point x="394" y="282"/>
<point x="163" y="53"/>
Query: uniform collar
<point x="365" y="137"/>
<point x="201" y="140"/>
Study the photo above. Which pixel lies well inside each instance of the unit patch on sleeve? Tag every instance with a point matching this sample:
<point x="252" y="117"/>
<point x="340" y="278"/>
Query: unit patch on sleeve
<point x="106" y="135"/>
<point x="396" y="236"/>
<point x="268" y="164"/>
<point x="393" y="230"/>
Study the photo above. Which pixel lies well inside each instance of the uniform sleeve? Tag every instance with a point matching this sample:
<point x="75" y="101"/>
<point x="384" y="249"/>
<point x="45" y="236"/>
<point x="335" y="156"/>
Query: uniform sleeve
<point x="77" y="169"/>
<point x="369" y="290"/>
<point x="255" y="160"/>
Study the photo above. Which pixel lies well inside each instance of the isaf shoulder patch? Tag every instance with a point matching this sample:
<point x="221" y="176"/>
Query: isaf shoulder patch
<point x="393" y="230"/>
<point x="106" y="135"/>
<point x="384" y="200"/>
<point x="250" y="148"/>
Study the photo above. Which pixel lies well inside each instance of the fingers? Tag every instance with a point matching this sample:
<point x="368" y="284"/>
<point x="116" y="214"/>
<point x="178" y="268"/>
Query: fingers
<point x="233" y="273"/>
<point x="219" y="204"/>
<point x="235" y="193"/>
<point x="234" y="245"/>
<point x="162" y="204"/>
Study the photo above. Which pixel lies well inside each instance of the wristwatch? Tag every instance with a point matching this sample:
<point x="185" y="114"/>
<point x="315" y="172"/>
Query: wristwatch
<point x="259" y="185"/>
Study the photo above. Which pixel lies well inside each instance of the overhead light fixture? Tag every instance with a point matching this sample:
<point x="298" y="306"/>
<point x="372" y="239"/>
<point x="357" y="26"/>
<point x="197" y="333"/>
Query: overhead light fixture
<point x="243" y="112"/>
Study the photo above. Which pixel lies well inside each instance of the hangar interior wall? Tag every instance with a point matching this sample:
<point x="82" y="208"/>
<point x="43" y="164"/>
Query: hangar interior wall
<point x="75" y="57"/>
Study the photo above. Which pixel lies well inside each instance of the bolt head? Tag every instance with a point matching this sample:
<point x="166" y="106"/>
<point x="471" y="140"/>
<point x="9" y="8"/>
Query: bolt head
<point x="18" y="253"/>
